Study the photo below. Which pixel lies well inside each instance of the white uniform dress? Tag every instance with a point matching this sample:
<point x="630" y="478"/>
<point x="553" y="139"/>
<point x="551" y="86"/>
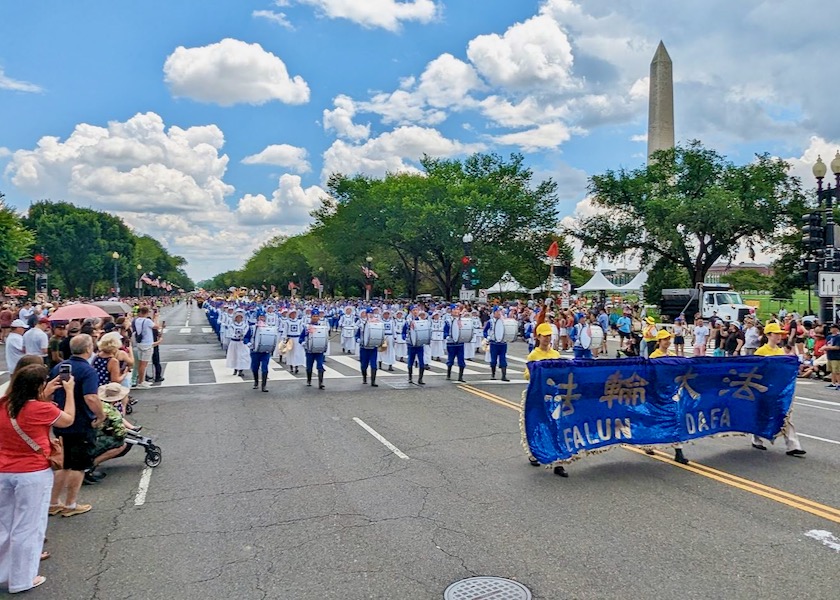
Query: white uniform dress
<point x="388" y="358"/>
<point x="225" y="322"/>
<point x="436" y="348"/>
<point x="400" y="345"/>
<point x="347" y="325"/>
<point x="297" y="356"/>
<point x="238" y="355"/>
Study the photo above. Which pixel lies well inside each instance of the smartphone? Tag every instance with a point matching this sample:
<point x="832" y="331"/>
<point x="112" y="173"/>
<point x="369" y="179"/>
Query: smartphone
<point x="64" y="371"/>
<point x="163" y="324"/>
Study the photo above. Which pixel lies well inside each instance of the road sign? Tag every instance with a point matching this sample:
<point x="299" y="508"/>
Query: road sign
<point x="482" y="295"/>
<point x="829" y="285"/>
<point x="467" y="295"/>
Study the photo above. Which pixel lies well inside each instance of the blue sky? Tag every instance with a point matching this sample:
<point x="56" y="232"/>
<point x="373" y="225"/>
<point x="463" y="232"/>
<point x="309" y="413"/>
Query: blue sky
<point x="213" y="125"/>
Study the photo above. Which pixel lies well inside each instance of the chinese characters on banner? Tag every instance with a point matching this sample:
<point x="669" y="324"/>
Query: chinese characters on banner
<point x="573" y="407"/>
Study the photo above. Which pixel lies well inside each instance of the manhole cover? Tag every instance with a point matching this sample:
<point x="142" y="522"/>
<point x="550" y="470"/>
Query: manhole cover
<point x="490" y="588"/>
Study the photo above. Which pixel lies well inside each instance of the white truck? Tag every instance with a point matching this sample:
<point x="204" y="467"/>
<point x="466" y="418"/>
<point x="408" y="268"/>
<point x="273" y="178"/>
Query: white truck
<point x="707" y="299"/>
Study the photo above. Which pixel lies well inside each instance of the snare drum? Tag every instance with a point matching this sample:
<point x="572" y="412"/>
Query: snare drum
<point x="265" y="339"/>
<point x="597" y="336"/>
<point x="460" y="333"/>
<point x="505" y="330"/>
<point x="419" y="333"/>
<point x="373" y="334"/>
<point x="316" y="340"/>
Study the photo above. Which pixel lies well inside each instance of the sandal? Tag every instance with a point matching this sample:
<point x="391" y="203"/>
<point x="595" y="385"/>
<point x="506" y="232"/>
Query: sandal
<point x="45" y="555"/>
<point x="40" y="580"/>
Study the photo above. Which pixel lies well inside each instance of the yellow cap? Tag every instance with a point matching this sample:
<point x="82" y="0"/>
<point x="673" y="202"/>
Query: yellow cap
<point x="544" y="329"/>
<point x="772" y="328"/>
<point x="663" y="335"/>
<point x="651" y="320"/>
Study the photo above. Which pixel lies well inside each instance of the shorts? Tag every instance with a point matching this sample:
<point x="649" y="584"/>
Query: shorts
<point x="623" y="335"/>
<point x="679" y="340"/>
<point x="144" y="353"/>
<point x="834" y="366"/>
<point x="78" y="450"/>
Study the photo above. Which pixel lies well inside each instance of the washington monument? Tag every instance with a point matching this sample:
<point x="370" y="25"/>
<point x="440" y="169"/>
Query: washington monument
<point x="661" y="102"/>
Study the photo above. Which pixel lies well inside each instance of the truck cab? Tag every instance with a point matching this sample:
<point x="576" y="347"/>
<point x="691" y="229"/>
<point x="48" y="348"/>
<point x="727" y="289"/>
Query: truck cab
<point x="706" y="299"/>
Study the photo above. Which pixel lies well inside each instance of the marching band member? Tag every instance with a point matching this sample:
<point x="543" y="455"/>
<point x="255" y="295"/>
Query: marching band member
<point x="296" y="357"/>
<point x="367" y="356"/>
<point x="400" y="346"/>
<point x="543" y="351"/>
<point x="454" y="348"/>
<point x="259" y="356"/>
<point x="272" y="319"/>
<point x="347" y="323"/>
<point x="225" y="322"/>
<point x="238" y="357"/>
<point x="663" y="345"/>
<point x="774" y="335"/>
<point x="436" y="345"/>
<point x="388" y="357"/>
<point x="498" y="348"/>
<point x="427" y="348"/>
<point x="414" y="352"/>
<point x="477" y="335"/>
<point x="313" y="357"/>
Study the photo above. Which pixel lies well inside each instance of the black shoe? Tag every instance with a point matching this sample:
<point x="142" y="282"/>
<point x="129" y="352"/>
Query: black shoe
<point x="159" y="379"/>
<point x="391" y="369"/>
<point x="650" y="452"/>
<point x="560" y="471"/>
<point x="504" y="374"/>
<point x="534" y="462"/>
<point x="795" y="452"/>
<point x="296" y="370"/>
<point x="680" y="457"/>
<point x="759" y="446"/>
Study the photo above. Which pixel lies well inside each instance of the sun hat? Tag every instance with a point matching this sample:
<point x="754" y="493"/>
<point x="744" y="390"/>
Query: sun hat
<point x="18" y="323"/>
<point x="112" y="392"/>
<point x="663" y="335"/>
<point x="772" y="328"/>
<point x="544" y="329"/>
<point x="650" y="320"/>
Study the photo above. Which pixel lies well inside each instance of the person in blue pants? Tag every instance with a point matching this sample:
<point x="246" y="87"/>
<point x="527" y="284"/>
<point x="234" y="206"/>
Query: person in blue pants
<point x="259" y="360"/>
<point x="498" y="349"/>
<point x="367" y="356"/>
<point x="454" y="348"/>
<point x="313" y="358"/>
<point x="414" y="352"/>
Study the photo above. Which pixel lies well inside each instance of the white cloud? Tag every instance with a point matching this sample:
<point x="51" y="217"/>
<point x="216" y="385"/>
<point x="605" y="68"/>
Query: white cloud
<point x="801" y="165"/>
<point x="391" y="152"/>
<point x="275" y="17"/>
<point x="533" y="54"/>
<point x="281" y="155"/>
<point x="550" y="135"/>
<point x="340" y="119"/>
<point x="290" y="204"/>
<point x="16" y="85"/>
<point x="4" y="152"/>
<point x="386" y="14"/>
<point x="231" y="72"/>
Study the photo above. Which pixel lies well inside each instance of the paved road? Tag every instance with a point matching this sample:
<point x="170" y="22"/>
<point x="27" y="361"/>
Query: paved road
<point x="286" y="495"/>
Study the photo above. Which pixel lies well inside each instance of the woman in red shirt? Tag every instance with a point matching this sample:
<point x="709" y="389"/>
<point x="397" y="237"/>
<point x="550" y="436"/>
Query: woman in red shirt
<point x="25" y="475"/>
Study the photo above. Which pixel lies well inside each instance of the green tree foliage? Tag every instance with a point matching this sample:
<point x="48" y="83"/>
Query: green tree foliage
<point x="665" y="275"/>
<point x="691" y="207"/>
<point x="747" y="279"/>
<point x="15" y="243"/>
<point x="154" y="258"/>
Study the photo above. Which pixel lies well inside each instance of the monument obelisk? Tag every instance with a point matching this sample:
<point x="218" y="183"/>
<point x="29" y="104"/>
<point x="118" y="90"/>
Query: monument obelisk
<point x="661" y="102"/>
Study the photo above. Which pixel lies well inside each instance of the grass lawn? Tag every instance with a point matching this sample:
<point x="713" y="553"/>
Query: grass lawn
<point x="771" y="305"/>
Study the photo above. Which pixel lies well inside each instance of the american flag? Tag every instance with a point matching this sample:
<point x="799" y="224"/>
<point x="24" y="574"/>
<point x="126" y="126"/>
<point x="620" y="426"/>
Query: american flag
<point x="369" y="273"/>
<point x="146" y="279"/>
<point x="273" y="288"/>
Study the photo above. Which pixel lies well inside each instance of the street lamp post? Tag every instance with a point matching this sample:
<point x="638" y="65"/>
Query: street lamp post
<point x="116" y="257"/>
<point x="467" y="274"/>
<point x="321" y="283"/>
<point x="139" y="280"/>
<point x="368" y="278"/>
<point x="827" y="195"/>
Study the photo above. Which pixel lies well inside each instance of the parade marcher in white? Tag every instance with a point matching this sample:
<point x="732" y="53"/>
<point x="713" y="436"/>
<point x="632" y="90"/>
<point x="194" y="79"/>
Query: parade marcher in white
<point x="347" y="324"/>
<point x="387" y="357"/>
<point x="400" y="345"/>
<point x="296" y="357"/>
<point x="238" y="355"/>
<point x="436" y="347"/>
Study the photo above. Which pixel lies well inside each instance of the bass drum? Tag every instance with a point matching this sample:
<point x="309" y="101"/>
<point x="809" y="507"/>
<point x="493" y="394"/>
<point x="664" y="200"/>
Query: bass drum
<point x="266" y="339"/>
<point x="597" y="336"/>
<point x="316" y="342"/>
<point x="505" y="330"/>
<point x="420" y="334"/>
<point x="373" y="334"/>
<point x="463" y="333"/>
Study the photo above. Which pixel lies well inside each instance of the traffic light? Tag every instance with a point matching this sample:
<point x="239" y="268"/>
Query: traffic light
<point x="474" y="280"/>
<point x="40" y="262"/>
<point x="565" y="269"/>
<point x="813" y="269"/>
<point x="812" y="231"/>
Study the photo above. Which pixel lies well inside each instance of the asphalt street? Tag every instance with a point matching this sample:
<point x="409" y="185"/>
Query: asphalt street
<point x="290" y="495"/>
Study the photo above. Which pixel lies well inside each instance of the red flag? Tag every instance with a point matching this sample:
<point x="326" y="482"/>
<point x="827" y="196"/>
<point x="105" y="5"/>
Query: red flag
<point x="553" y="250"/>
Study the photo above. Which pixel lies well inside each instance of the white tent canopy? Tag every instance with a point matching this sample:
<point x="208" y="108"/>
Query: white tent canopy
<point x="598" y="283"/>
<point x="507" y="284"/>
<point x="553" y="284"/>
<point x="636" y="284"/>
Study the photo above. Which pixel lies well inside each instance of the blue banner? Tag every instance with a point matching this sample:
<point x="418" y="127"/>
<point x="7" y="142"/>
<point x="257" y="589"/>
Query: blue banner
<point x="577" y="406"/>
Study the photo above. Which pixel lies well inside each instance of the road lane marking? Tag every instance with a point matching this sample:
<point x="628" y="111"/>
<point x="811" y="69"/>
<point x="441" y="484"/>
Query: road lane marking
<point x="145" y="479"/>
<point x="813" y="437"/>
<point x="759" y="489"/>
<point x="381" y="439"/>
<point x="818" y="401"/>
<point x="817" y="407"/>
<point x="825" y="537"/>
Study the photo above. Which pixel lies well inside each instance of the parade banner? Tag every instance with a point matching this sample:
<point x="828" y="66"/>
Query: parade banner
<point x="572" y="407"/>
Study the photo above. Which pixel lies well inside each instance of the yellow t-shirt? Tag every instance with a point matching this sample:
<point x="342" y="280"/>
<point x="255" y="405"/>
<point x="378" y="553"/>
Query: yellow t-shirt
<point x="537" y="354"/>
<point x="659" y="354"/>
<point x="766" y="350"/>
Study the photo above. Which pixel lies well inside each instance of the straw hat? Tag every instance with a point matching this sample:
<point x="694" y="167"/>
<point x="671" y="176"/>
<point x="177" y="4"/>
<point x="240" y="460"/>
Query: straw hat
<point x="112" y="392"/>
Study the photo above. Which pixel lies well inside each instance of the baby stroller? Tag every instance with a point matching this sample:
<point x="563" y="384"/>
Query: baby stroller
<point x="633" y="347"/>
<point x="153" y="453"/>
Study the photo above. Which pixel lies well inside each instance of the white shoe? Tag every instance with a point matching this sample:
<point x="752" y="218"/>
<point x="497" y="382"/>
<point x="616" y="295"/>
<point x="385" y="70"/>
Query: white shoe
<point x="144" y="386"/>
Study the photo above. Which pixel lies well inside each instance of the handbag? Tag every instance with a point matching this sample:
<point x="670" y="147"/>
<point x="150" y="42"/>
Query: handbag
<point x="56" y="457"/>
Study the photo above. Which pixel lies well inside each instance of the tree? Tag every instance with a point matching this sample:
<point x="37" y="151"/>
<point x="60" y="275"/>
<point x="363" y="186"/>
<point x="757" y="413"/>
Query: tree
<point x="747" y="279"/>
<point x="15" y="243"/>
<point x="691" y="207"/>
<point x="665" y="275"/>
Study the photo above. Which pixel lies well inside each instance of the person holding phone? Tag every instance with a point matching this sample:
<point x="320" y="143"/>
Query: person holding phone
<point x="26" y="416"/>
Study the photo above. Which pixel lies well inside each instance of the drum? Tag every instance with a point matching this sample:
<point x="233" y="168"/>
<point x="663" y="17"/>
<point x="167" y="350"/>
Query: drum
<point x="505" y="330"/>
<point x="316" y="340"/>
<point x="265" y="339"/>
<point x="420" y="334"/>
<point x="348" y="331"/>
<point x="461" y="334"/>
<point x="597" y="336"/>
<point x="373" y="334"/>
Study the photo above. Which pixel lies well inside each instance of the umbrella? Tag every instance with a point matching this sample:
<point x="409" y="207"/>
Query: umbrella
<point x="113" y="307"/>
<point x="77" y="311"/>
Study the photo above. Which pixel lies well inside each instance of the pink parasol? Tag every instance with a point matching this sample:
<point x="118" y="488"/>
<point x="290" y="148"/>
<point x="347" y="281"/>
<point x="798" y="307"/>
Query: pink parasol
<point x="77" y="311"/>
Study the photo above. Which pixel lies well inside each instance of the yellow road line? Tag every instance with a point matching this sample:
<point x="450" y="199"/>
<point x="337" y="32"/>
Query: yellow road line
<point x="759" y="489"/>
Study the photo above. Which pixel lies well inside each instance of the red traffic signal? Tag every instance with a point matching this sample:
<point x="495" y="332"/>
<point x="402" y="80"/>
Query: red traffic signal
<point x="39" y="260"/>
<point x="465" y="260"/>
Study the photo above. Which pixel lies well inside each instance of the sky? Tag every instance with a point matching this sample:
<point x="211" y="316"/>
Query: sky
<point x="214" y="125"/>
